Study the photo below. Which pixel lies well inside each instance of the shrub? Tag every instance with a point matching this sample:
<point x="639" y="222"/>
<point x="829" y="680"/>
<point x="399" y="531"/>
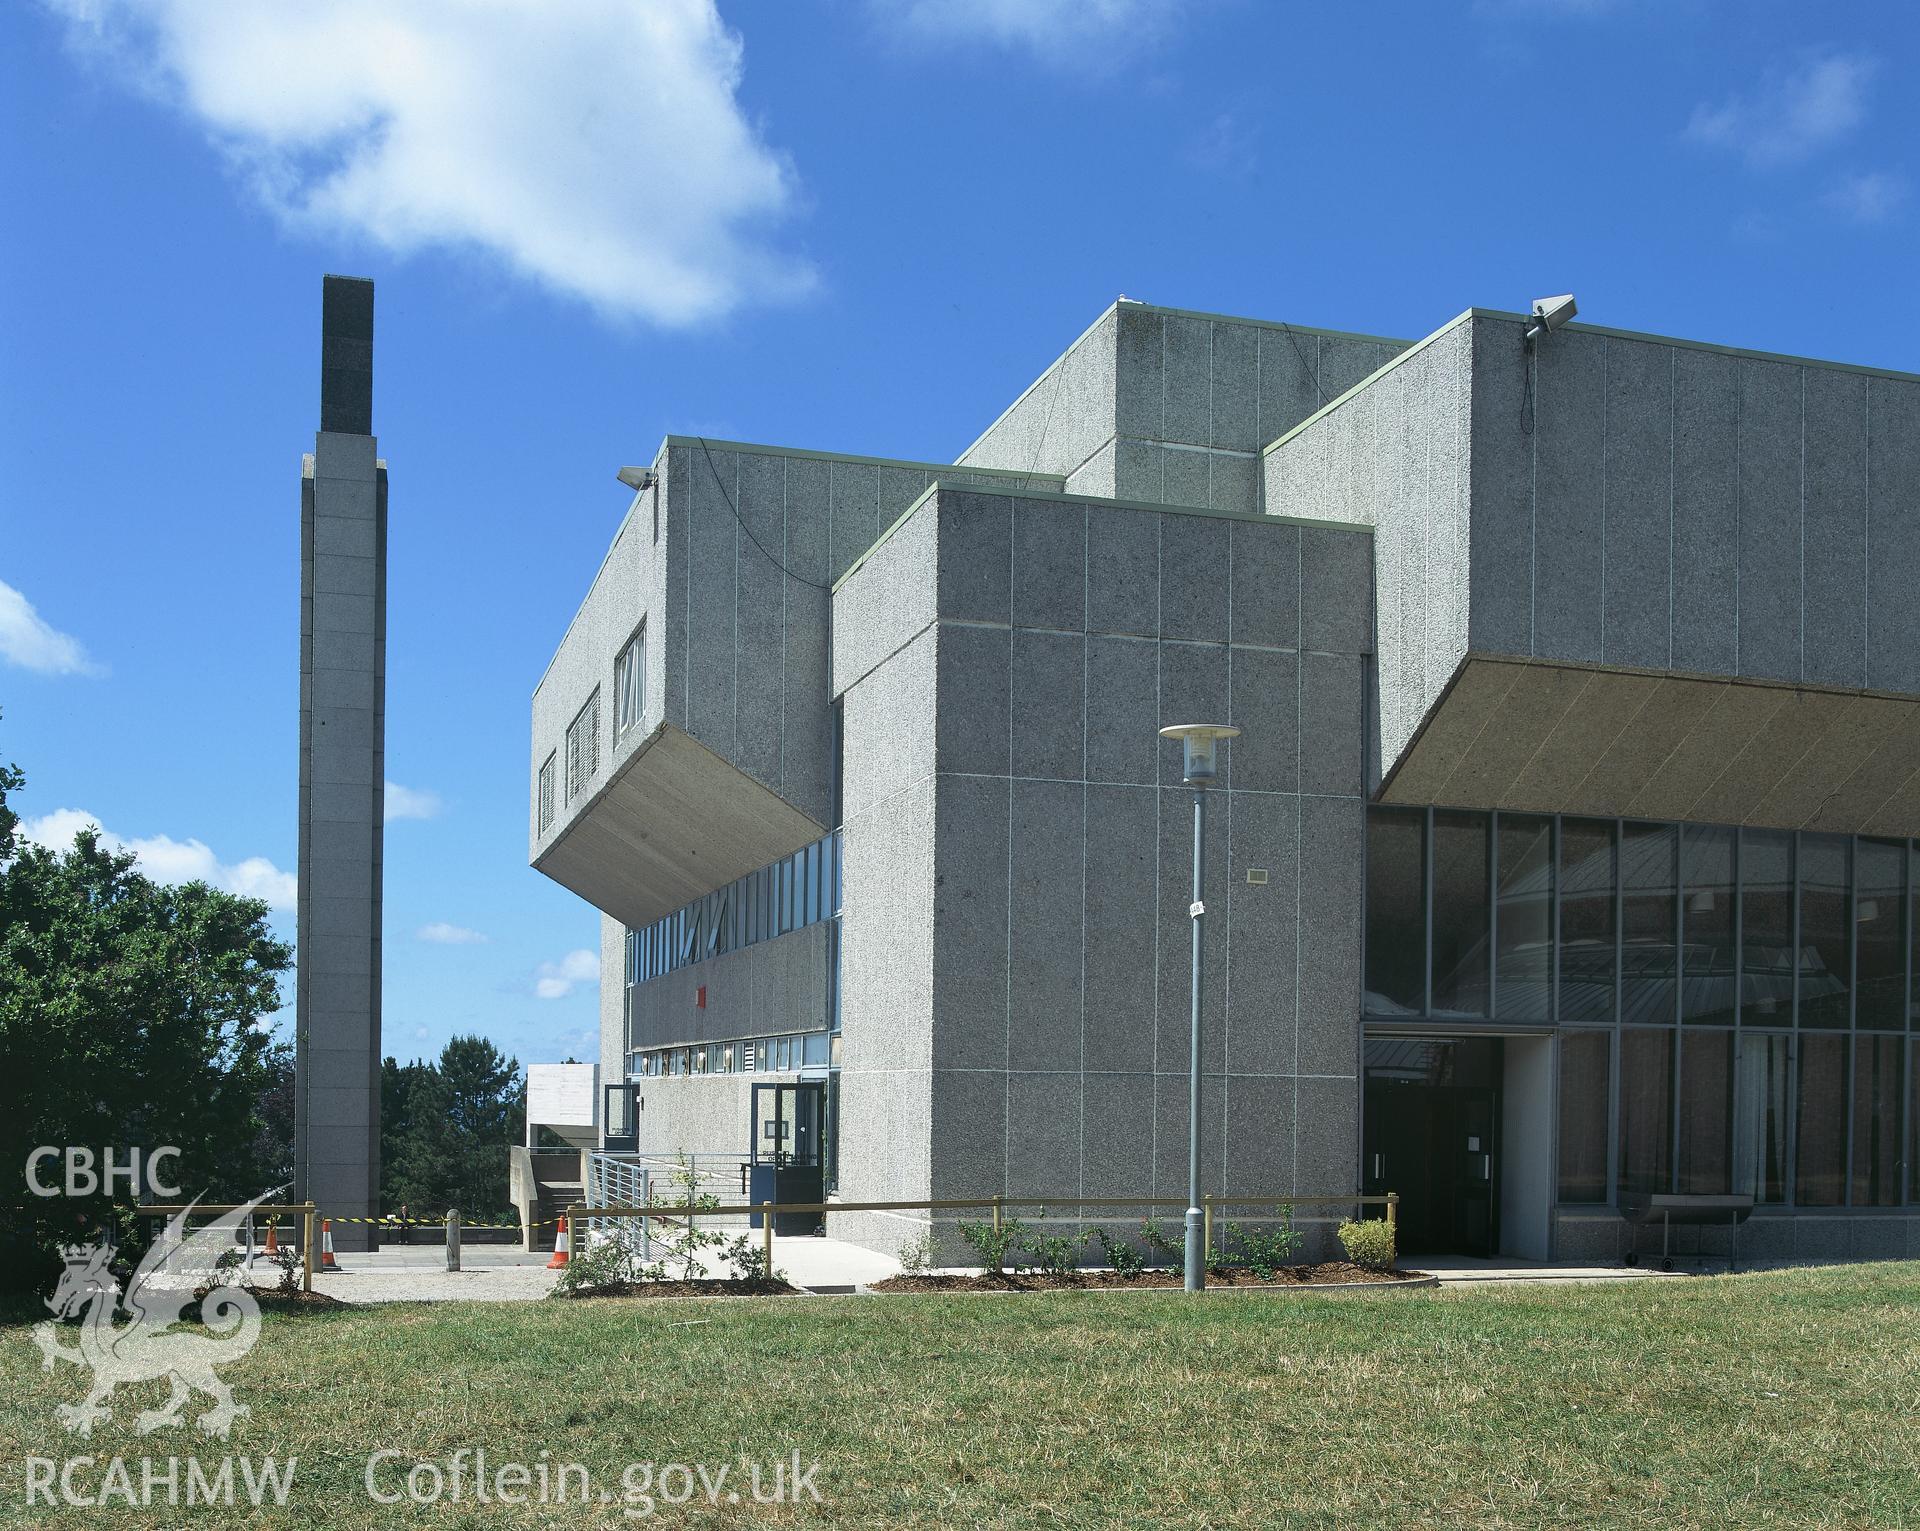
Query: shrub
<point x="747" y="1257"/>
<point x="1368" y="1244"/>
<point x="997" y="1247"/>
<point x="1265" y="1254"/>
<point x="602" y="1264"/>
<point x="916" y="1255"/>
<point x="1166" y="1251"/>
<point x="1118" y="1255"/>
<point x="1058" y="1254"/>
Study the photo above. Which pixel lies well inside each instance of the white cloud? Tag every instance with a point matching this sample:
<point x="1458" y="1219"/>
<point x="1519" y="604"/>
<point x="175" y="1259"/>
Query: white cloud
<point x="411" y="803"/>
<point x="599" y="148"/>
<point x="556" y="980"/>
<point x="1871" y="196"/>
<point x="165" y="859"/>
<point x="440" y="933"/>
<point x="1058" y="31"/>
<point x="1792" y="114"/>
<point x="28" y="640"/>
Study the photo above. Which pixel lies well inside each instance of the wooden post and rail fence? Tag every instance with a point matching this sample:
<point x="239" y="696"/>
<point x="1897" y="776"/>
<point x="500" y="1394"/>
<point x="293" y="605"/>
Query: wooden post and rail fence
<point x="688" y="1212"/>
<point x="304" y="1210"/>
<point x="767" y="1211"/>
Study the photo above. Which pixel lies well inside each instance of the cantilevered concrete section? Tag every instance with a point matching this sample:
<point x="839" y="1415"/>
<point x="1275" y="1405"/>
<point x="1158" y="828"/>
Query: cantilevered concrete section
<point x="1705" y="558"/>
<point x="717" y="585"/>
<point x="343" y="633"/>
<point x="1529" y="734"/>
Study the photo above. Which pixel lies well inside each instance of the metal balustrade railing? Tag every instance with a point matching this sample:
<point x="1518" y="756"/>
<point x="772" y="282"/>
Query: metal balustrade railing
<point x="628" y="1180"/>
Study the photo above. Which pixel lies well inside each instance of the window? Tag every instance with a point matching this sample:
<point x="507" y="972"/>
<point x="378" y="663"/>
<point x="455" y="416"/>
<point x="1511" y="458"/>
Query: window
<point x="1760" y="1118"/>
<point x="1876" y="1121"/>
<point x="546" y="794"/>
<point x="1706" y="1113"/>
<point x="1524" y="919"/>
<point x="629" y="684"/>
<point x="1460" y="913"/>
<point x="1583" y="1115"/>
<point x="1646" y="1110"/>
<point x="1766" y="928"/>
<point x="1706" y="913"/>
<point x="583" y="746"/>
<point x="1647" y="928"/>
<point x="1586" y="921"/>
<point x="1820" y="1165"/>
<point x="1826" y="931"/>
<point x="1880" y="933"/>
<point x="1396" y="920"/>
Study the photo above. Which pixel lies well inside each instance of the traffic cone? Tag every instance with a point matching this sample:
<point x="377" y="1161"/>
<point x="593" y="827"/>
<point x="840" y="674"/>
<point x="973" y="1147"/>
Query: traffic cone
<point x="562" y="1244"/>
<point x="327" y="1262"/>
<point x="273" y="1244"/>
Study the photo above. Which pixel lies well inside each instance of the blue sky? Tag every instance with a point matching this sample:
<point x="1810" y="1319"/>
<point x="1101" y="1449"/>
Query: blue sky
<point x="861" y="226"/>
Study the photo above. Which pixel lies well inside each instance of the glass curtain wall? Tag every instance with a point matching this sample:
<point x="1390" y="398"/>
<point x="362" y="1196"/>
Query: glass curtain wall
<point x="1738" y="1008"/>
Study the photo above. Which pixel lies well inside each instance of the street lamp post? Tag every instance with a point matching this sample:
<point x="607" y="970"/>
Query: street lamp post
<point x="1198" y="770"/>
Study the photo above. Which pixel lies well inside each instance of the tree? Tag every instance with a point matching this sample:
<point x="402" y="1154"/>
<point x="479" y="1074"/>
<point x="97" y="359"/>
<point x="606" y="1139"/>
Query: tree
<point x="130" y="1017"/>
<point x="445" y="1129"/>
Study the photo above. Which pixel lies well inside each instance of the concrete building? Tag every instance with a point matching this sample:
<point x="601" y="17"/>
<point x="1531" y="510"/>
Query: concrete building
<point x="1565" y="855"/>
<point x="343" y="653"/>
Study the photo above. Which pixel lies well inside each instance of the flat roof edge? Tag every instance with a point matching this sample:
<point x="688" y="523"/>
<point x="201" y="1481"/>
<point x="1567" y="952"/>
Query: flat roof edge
<point x="1057" y="496"/>
<point x="1317" y="331"/>
<point x="763" y="449"/>
<point x="1744" y="352"/>
<point x="1369" y="380"/>
<point x="1648" y="337"/>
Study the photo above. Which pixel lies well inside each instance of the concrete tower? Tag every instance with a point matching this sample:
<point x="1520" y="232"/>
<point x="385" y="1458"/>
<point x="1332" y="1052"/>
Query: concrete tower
<point x="343" y="663"/>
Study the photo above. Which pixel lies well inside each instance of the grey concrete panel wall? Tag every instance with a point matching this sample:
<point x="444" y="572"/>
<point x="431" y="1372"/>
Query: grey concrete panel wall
<point x="1834" y="582"/>
<point x="1639" y="413"/>
<point x="1171" y="407"/>
<point x="889" y="601"/>
<point x="1064" y="418"/>
<point x="1395" y="456"/>
<point x="707" y="1114"/>
<point x="1062" y="848"/>
<point x="1706" y="512"/>
<point x="1893" y="534"/>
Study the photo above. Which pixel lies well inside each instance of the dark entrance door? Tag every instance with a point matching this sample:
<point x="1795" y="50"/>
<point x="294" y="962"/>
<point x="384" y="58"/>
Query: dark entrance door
<point x="1432" y="1134"/>
<point x="785" y="1162"/>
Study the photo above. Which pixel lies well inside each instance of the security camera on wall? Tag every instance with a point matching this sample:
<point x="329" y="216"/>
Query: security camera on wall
<point x="1549" y="314"/>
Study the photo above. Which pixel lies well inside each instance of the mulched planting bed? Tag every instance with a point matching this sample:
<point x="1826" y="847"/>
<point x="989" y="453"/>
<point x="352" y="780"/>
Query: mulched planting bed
<point x="272" y="1300"/>
<point x="1327" y="1273"/>
<point x="707" y="1286"/>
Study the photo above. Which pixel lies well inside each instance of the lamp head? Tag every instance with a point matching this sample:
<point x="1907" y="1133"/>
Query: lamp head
<point x="1199" y="763"/>
<point x="636" y="479"/>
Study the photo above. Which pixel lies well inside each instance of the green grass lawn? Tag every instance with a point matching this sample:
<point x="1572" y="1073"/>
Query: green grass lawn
<point x="1758" y="1400"/>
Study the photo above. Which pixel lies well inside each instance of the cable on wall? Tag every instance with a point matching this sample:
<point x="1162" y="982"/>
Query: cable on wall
<point x="727" y="498"/>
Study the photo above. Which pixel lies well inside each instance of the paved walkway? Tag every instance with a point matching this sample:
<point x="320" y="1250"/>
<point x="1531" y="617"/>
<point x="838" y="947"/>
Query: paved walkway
<point x="1461" y="1270"/>
<point x="502" y="1273"/>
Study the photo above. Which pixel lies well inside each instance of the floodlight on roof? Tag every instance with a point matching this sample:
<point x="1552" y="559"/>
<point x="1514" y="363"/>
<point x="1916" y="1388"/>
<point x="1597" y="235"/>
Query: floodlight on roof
<point x="636" y="479"/>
